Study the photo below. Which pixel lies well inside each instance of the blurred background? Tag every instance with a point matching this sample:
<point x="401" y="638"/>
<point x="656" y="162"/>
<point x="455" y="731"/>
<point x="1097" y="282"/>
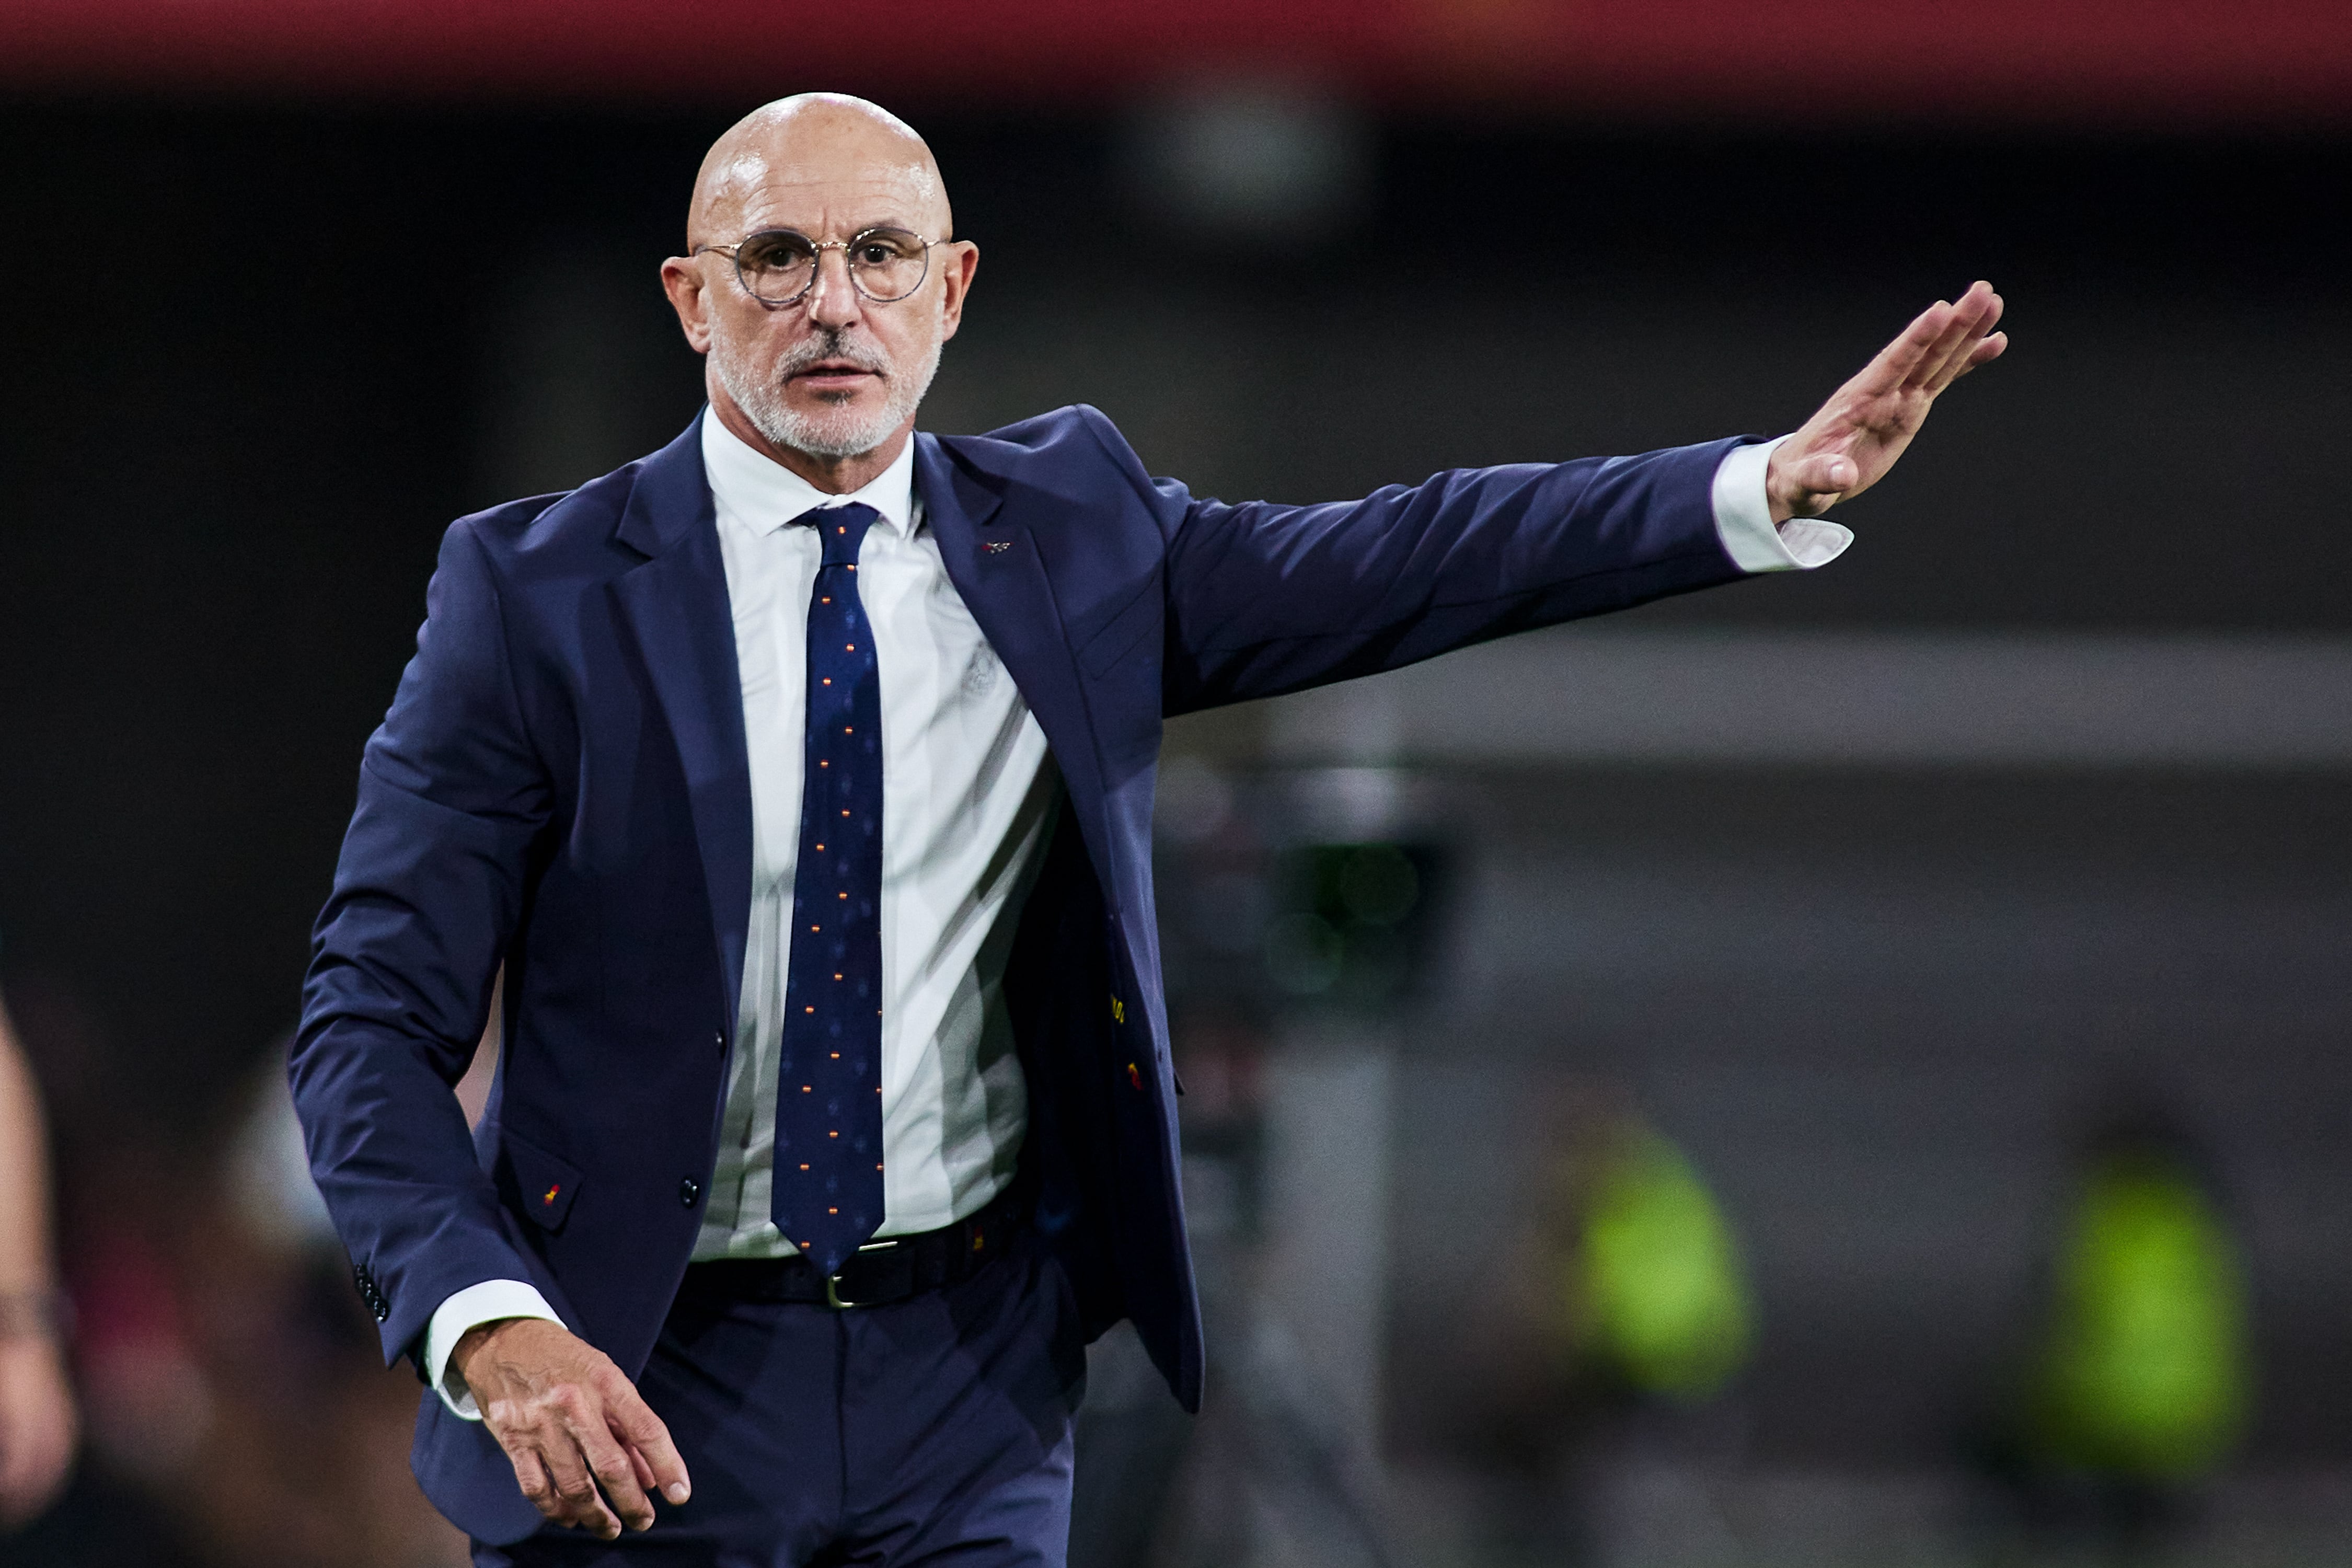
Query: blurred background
<point x="1848" y="1068"/>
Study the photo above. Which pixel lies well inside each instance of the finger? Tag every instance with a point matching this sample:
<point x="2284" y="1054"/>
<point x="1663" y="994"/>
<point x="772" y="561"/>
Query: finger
<point x="598" y="1520"/>
<point x="610" y="1465"/>
<point x="575" y="1488"/>
<point x="648" y="1439"/>
<point x="1979" y="323"/>
<point x="1955" y="331"/>
<point x="1985" y="352"/>
<point x="1970" y="355"/>
<point x="616" y="1469"/>
<point x="1968" y="316"/>
<point x="1898" y="361"/>
<point x="537" y="1484"/>
<point x="589" y="1514"/>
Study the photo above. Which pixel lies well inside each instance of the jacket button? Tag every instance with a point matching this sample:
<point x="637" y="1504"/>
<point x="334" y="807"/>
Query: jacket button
<point x="720" y="1039"/>
<point x="688" y="1190"/>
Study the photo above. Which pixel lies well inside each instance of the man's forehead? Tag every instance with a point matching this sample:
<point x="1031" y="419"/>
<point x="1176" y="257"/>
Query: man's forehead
<point x="770" y="187"/>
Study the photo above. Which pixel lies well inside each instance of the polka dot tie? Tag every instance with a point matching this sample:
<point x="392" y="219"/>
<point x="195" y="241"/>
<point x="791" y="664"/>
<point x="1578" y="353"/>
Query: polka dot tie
<point x="828" y="1185"/>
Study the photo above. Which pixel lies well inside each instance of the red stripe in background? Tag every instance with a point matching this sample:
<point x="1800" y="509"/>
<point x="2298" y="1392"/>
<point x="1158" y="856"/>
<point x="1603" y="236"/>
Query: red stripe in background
<point x="2253" y="61"/>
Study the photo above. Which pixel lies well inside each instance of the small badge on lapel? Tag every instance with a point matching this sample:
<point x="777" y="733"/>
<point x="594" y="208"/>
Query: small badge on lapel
<point x="997" y="546"/>
<point x="547" y="1197"/>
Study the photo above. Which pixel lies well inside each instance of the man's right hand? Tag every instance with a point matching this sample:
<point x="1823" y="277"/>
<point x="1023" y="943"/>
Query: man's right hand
<point x="569" y="1422"/>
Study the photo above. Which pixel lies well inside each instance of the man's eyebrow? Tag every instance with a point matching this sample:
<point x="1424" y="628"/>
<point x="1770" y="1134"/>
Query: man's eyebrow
<point x="900" y="223"/>
<point x="857" y="228"/>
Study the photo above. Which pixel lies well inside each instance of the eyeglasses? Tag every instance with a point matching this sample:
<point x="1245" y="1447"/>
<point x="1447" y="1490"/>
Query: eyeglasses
<point x="777" y="266"/>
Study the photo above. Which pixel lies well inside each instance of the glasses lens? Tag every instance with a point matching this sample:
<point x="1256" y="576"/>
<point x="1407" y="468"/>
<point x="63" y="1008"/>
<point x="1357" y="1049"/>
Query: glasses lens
<point x="888" y="263"/>
<point x="777" y="266"/>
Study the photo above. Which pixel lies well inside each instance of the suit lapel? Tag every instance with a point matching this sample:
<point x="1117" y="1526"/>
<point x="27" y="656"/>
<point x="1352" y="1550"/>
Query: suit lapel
<point x="996" y="567"/>
<point x="676" y="605"/>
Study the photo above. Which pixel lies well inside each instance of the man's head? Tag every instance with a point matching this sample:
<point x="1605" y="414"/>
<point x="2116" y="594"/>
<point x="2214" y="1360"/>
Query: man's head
<point x="832" y="378"/>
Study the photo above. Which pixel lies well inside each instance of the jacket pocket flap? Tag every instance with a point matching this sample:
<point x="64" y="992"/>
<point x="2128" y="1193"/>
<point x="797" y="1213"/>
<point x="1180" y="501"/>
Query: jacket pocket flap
<point x="535" y="1183"/>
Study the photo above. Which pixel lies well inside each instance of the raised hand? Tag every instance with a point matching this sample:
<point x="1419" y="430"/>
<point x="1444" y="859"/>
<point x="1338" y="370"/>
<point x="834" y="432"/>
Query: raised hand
<point x="1850" y="443"/>
<point x="569" y="1422"/>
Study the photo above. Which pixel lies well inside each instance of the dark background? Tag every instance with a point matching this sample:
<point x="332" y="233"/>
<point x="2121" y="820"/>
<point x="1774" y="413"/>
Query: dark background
<point x="260" y="344"/>
<point x="255" y="367"/>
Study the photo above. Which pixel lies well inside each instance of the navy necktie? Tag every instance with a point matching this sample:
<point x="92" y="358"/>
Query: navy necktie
<point x="828" y="1176"/>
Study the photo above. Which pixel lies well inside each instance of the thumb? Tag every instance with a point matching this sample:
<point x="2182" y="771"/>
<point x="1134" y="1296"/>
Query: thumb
<point x="1823" y="473"/>
<point x="649" y="1440"/>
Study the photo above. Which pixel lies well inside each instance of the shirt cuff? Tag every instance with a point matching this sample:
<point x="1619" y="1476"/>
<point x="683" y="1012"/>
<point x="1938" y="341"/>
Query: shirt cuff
<point x="488" y="1303"/>
<point x="1743" y="520"/>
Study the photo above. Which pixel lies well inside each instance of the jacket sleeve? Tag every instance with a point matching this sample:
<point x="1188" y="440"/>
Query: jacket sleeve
<point x="452" y="801"/>
<point x="1264" y="598"/>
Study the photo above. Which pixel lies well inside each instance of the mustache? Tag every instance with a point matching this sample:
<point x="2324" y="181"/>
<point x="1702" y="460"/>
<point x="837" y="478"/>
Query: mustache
<point x="830" y="344"/>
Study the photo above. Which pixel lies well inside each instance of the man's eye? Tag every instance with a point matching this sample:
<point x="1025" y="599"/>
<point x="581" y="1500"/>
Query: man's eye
<point x="876" y="253"/>
<point x="781" y="255"/>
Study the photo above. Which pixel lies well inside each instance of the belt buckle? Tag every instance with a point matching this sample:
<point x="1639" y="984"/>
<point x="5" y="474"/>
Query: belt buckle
<point x="833" y="1281"/>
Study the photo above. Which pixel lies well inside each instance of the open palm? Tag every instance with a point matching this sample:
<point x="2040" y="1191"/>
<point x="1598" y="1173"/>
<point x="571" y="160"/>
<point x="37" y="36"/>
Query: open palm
<point x="1850" y="443"/>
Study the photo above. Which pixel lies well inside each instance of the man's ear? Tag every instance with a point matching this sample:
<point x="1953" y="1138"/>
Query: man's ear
<point x="682" y="281"/>
<point x="958" y="279"/>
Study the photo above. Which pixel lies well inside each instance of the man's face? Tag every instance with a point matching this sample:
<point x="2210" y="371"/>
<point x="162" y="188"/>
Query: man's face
<point x="834" y="373"/>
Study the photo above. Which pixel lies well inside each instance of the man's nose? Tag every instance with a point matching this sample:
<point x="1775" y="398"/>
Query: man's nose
<point x="833" y="299"/>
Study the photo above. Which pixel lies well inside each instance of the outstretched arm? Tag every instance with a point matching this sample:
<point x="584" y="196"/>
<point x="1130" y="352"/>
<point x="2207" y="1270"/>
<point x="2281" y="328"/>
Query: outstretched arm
<point x="1264" y="599"/>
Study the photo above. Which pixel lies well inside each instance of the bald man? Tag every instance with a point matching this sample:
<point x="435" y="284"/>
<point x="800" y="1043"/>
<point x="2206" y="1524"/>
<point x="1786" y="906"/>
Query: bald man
<point x="800" y="777"/>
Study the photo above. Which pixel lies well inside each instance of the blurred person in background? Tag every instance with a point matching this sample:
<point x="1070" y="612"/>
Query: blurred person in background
<point x="800" y="775"/>
<point x="1654" y="1294"/>
<point x="2140" y="1383"/>
<point x="38" y="1426"/>
<point x="230" y="1404"/>
<point x="294" y="1457"/>
<point x="1619" y="1323"/>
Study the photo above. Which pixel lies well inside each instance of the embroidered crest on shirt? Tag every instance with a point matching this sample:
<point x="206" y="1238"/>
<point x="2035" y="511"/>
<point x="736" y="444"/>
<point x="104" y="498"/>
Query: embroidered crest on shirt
<point x="981" y="673"/>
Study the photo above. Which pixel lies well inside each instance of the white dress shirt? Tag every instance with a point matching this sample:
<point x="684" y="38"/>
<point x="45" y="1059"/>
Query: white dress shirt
<point x="968" y="793"/>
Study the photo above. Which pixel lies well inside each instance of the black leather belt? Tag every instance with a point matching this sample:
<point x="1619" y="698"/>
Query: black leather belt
<point x="889" y="1269"/>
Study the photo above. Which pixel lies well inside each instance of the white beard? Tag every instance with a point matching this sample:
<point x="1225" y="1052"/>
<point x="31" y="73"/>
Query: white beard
<point x="828" y="432"/>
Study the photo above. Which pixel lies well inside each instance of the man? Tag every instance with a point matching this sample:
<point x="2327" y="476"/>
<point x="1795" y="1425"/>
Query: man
<point x="800" y="777"/>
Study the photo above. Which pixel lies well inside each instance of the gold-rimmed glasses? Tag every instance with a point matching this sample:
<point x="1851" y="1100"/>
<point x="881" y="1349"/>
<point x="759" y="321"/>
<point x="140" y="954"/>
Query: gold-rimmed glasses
<point x="777" y="266"/>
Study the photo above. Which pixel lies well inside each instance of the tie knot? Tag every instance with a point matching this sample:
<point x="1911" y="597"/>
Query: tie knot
<point x="843" y="530"/>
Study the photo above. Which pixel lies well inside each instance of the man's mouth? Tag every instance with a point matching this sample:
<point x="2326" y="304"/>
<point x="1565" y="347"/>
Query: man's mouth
<point x="833" y="375"/>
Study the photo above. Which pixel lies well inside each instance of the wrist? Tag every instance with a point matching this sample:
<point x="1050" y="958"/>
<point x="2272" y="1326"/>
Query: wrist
<point x="478" y="1340"/>
<point x="472" y="1339"/>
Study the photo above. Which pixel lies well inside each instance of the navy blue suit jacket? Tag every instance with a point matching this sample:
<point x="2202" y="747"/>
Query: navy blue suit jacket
<point x="561" y="786"/>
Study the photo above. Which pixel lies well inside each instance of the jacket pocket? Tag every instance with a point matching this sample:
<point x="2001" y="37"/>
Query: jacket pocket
<point x="535" y="1183"/>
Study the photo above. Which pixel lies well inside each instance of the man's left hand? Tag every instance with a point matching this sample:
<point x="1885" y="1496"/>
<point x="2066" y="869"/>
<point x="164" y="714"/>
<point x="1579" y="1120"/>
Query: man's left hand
<point x="1849" y="446"/>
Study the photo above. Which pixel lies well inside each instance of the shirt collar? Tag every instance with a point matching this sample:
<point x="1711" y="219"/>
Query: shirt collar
<point x="764" y="495"/>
